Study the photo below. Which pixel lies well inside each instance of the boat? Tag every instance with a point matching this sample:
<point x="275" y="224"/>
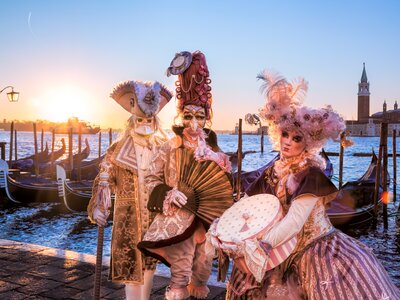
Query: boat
<point x="88" y="169"/>
<point x="27" y="163"/>
<point x="75" y="194"/>
<point x="22" y="187"/>
<point x="233" y="157"/>
<point x="48" y="170"/>
<point x="354" y="204"/>
<point x="45" y="158"/>
<point x="53" y="156"/>
<point x="77" y="126"/>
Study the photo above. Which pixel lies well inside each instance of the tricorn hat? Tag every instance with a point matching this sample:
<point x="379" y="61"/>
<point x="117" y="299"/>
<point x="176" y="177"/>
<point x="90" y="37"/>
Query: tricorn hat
<point x="144" y="99"/>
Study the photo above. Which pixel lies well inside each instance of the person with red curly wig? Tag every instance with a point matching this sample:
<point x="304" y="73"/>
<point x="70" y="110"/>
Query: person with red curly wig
<point x="177" y="236"/>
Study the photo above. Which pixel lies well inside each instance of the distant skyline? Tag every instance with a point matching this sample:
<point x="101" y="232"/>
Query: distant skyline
<point x="64" y="57"/>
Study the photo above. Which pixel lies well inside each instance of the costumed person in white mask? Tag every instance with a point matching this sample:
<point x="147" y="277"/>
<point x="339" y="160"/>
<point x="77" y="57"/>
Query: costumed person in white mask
<point x="177" y="236"/>
<point x="123" y="171"/>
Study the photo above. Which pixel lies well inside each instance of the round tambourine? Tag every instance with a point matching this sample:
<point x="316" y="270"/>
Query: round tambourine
<point x="250" y="218"/>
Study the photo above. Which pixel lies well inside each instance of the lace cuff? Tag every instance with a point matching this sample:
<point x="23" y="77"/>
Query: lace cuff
<point x="223" y="162"/>
<point x="168" y="208"/>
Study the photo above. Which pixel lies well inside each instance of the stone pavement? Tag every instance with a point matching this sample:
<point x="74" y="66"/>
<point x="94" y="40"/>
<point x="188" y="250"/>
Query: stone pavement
<point x="36" y="272"/>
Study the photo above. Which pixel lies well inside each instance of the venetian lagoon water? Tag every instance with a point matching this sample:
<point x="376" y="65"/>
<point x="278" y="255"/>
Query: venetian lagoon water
<point x="50" y="225"/>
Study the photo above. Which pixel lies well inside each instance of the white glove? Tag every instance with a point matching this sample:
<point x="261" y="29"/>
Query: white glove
<point x="177" y="197"/>
<point x="205" y="153"/>
<point x="99" y="217"/>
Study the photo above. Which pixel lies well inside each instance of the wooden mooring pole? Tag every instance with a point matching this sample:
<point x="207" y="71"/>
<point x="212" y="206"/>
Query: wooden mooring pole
<point x="384" y="174"/>
<point x="341" y="153"/>
<point x="53" y="141"/>
<point x="70" y="157"/>
<point x="262" y="139"/>
<point x="3" y="150"/>
<point x="394" y="156"/>
<point x="36" y="150"/>
<point x="79" y="151"/>
<point x="15" y="145"/>
<point x="99" y="144"/>
<point x="41" y="141"/>
<point x="378" y="174"/>
<point x="239" y="161"/>
<point x="11" y="144"/>
<point x="110" y="136"/>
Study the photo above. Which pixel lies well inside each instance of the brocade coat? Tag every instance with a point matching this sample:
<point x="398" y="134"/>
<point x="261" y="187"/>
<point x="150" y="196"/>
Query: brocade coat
<point x="128" y="161"/>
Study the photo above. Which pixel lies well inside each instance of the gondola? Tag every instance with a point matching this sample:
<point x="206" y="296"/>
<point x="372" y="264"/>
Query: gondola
<point x="45" y="159"/>
<point x="354" y="204"/>
<point x="75" y="194"/>
<point x="22" y="187"/>
<point x="88" y="169"/>
<point x="49" y="169"/>
<point x="43" y="155"/>
<point x="233" y="157"/>
<point x="27" y="163"/>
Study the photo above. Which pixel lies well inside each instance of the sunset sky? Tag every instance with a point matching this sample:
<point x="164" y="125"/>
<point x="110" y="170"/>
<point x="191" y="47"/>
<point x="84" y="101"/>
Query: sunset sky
<point x="64" y="57"/>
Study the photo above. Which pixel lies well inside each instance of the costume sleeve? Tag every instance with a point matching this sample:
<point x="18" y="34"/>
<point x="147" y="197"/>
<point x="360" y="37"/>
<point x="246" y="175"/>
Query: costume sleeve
<point x="105" y="167"/>
<point x="155" y="180"/>
<point x="293" y="222"/>
<point x="262" y="183"/>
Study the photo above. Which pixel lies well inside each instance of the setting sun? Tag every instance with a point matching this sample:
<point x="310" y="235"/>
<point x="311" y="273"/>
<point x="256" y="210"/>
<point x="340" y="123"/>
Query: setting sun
<point x="60" y="103"/>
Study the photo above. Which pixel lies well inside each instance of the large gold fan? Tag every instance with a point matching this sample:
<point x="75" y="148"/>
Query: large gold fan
<point x="210" y="185"/>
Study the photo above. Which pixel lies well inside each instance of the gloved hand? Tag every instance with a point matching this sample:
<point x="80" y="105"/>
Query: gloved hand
<point x="204" y="153"/>
<point x="177" y="197"/>
<point x="99" y="217"/>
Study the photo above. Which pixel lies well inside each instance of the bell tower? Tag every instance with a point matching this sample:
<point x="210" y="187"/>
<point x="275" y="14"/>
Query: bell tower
<point x="363" y="97"/>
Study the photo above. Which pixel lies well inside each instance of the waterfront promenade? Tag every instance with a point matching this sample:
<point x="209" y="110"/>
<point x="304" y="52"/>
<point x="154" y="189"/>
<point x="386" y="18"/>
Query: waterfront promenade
<point x="36" y="272"/>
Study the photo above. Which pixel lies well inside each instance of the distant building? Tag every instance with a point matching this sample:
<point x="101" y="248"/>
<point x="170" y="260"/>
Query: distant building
<point x="369" y="125"/>
<point x="262" y="129"/>
<point x="251" y="132"/>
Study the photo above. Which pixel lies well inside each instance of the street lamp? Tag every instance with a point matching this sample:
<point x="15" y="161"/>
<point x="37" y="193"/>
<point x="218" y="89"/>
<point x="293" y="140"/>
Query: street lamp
<point x="12" y="96"/>
<point x="254" y="119"/>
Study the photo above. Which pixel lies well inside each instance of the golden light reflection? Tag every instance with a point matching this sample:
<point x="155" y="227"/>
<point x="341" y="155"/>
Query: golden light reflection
<point x="60" y="103"/>
<point x="387" y="197"/>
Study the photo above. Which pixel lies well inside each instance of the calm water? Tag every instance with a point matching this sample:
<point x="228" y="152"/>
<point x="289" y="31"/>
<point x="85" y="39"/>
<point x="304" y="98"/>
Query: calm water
<point x="50" y="225"/>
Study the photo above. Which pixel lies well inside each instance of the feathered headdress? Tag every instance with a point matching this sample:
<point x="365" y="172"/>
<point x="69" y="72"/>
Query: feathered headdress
<point x="283" y="110"/>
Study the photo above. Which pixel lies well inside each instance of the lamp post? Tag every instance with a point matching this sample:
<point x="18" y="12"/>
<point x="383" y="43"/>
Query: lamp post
<point x="12" y="96"/>
<point x="254" y="119"/>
